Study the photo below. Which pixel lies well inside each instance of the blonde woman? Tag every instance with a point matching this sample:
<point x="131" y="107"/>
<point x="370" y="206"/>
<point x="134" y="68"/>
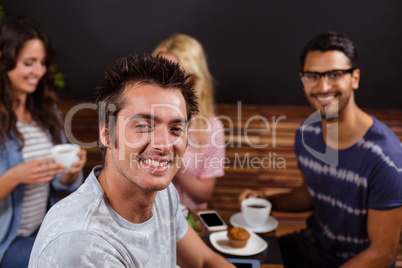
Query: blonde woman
<point x="203" y="161"/>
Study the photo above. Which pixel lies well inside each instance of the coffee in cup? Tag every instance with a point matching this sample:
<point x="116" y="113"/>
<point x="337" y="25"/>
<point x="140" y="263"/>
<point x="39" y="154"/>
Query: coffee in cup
<point x="65" y="154"/>
<point x="255" y="211"/>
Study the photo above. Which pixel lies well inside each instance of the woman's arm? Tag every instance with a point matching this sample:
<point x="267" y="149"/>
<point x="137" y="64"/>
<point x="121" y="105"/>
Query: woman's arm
<point x="32" y="172"/>
<point x="209" y="163"/>
<point x="198" y="190"/>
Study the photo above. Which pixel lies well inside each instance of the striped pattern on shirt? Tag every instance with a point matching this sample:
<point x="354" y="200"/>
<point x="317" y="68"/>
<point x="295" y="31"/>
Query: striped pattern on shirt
<point x="37" y="146"/>
<point x="368" y="176"/>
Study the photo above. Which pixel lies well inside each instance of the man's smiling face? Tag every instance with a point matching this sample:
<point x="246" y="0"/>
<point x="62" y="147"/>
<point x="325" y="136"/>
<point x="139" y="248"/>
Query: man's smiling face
<point x="331" y="100"/>
<point x="151" y="136"/>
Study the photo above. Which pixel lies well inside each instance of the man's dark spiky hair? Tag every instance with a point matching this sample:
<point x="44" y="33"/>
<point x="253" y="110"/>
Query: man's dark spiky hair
<point x="145" y="69"/>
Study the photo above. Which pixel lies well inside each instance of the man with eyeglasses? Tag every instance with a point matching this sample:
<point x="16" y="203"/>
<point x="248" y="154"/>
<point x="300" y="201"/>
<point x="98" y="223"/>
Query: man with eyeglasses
<point x="352" y="169"/>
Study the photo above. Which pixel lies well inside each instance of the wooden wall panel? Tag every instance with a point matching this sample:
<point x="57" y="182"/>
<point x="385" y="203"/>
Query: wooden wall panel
<point x="274" y="136"/>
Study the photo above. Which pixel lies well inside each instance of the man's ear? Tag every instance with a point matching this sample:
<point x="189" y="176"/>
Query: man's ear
<point x="104" y="135"/>
<point x="355" y="79"/>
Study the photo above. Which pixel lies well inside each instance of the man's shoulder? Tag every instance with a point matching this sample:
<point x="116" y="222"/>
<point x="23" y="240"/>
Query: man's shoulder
<point x="74" y="211"/>
<point x="78" y="200"/>
<point x="381" y="131"/>
<point x="380" y="150"/>
<point x="75" y="248"/>
<point x="381" y="141"/>
<point x="70" y="221"/>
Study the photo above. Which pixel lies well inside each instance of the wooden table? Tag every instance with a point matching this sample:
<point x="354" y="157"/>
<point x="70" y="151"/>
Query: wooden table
<point x="226" y="217"/>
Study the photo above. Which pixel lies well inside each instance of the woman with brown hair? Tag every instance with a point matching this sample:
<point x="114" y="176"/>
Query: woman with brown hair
<point x="30" y="124"/>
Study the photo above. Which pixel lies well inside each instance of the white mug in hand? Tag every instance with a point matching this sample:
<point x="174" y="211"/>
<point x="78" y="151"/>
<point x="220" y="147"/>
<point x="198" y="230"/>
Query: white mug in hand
<point x="65" y="154"/>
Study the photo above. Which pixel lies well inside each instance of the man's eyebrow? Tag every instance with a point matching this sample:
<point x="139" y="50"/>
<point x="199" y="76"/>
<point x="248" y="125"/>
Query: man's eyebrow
<point x="179" y="121"/>
<point x="156" y="119"/>
<point x="141" y="116"/>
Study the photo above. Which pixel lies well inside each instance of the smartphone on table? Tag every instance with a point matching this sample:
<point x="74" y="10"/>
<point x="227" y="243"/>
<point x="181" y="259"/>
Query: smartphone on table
<point x="212" y="220"/>
<point x="245" y="263"/>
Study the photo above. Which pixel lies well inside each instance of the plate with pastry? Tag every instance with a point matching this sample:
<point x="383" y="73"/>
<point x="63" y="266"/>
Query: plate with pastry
<point x="238" y="241"/>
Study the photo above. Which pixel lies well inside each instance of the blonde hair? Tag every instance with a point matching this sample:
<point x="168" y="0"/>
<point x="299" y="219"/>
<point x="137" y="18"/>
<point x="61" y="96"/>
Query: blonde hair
<point x="193" y="60"/>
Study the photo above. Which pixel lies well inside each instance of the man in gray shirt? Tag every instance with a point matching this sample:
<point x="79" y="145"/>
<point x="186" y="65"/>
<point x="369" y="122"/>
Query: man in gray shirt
<point x="127" y="213"/>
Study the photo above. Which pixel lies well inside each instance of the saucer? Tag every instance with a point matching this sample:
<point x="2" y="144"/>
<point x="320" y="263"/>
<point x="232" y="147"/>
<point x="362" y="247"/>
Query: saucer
<point x="255" y="244"/>
<point x="238" y="220"/>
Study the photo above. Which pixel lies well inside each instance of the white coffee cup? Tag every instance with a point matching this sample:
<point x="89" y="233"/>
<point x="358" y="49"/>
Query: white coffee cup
<point x="65" y="154"/>
<point x="255" y="211"/>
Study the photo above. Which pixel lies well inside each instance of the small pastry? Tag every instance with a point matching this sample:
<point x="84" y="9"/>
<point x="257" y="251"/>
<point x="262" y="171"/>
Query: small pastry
<point x="238" y="237"/>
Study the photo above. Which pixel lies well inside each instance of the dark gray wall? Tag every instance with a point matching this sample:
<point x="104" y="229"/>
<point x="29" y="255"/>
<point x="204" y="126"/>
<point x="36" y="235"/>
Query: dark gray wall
<point x="252" y="46"/>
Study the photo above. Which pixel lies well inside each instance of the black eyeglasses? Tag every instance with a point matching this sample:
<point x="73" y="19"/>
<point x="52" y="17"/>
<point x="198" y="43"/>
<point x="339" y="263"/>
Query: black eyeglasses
<point x="333" y="77"/>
